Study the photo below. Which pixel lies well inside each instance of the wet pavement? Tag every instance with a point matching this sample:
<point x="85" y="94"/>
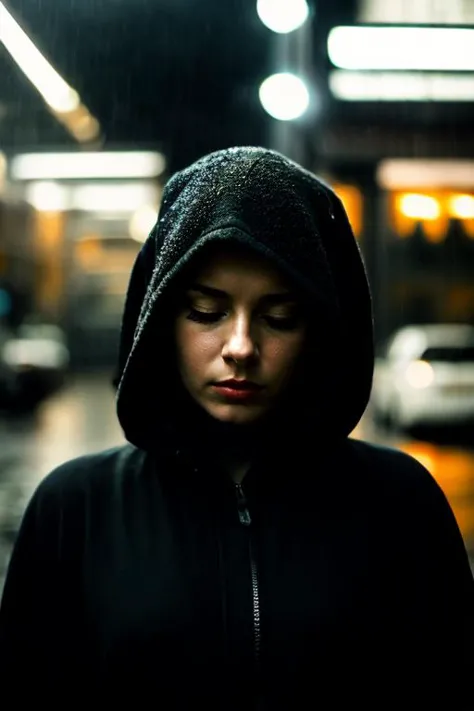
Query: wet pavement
<point x="77" y="420"/>
<point x="81" y="419"/>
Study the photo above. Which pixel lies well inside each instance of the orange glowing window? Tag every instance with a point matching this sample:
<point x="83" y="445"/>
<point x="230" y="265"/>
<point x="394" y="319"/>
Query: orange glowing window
<point x="433" y="210"/>
<point x="351" y="198"/>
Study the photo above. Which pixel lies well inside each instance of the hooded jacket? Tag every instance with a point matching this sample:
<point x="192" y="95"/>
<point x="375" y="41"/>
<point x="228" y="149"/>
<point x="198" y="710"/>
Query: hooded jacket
<point x="336" y="574"/>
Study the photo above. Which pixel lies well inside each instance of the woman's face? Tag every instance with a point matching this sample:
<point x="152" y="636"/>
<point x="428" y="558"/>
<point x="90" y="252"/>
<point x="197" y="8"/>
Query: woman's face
<point x="239" y="333"/>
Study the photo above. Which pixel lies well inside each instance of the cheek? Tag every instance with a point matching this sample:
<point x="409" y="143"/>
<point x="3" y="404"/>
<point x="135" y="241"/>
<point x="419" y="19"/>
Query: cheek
<point x="194" y="348"/>
<point x="282" y="354"/>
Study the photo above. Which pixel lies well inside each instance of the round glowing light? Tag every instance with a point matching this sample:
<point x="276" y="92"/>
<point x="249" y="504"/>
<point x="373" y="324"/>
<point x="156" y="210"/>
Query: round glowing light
<point x="284" y="96"/>
<point x="419" y="374"/>
<point x="283" y="16"/>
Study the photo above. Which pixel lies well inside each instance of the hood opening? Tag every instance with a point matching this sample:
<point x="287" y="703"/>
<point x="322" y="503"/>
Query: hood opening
<point x="305" y="233"/>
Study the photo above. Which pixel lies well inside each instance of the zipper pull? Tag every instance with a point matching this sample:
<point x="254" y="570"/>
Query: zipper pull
<point x="244" y="513"/>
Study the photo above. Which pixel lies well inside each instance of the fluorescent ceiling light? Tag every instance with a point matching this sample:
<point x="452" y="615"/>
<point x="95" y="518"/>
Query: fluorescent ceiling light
<point x="101" y="198"/>
<point x="113" y="198"/>
<point x="48" y="196"/>
<point x="420" y="48"/>
<point x="400" y="173"/>
<point x="55" y="91"/>
<point x="416" y="12"/>
<point x="56" y="166"/>
<point x="80" y="124"/>
<point x="401" y="86"/>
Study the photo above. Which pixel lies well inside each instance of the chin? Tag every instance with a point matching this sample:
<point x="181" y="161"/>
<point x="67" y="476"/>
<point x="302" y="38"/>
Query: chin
<point x="236" y="414"/>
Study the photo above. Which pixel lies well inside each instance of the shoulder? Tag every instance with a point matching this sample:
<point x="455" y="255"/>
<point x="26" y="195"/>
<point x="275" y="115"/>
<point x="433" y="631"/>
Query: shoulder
<point x="89" y="471"/>
<point x="60" y="508"/>
<point x="400" y="484"/>
<point x="391" y="470"/>
<point x="376" y="456"/>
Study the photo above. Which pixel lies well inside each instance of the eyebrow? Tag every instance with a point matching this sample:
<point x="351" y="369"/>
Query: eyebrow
<point x="281" y="297"/>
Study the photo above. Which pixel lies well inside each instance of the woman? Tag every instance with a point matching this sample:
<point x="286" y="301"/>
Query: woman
<point x="242" y="550"/>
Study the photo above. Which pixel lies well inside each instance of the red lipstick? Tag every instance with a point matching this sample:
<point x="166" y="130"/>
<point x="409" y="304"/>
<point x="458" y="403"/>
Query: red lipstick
<point x="237" y="390"/>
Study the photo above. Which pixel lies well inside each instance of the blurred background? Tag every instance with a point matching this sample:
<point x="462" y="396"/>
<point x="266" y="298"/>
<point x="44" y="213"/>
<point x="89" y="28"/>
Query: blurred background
<point x="102" y="100"/>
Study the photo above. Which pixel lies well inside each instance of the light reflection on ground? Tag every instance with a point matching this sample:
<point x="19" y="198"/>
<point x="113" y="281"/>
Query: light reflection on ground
<point x="78" y="420"/>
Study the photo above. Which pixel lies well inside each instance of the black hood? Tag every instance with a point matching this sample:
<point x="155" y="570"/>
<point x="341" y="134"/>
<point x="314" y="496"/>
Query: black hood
<point x="259" y="198"/>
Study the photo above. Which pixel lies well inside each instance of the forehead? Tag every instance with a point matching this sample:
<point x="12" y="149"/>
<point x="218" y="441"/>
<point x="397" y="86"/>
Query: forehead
<point x="233" y="265"/>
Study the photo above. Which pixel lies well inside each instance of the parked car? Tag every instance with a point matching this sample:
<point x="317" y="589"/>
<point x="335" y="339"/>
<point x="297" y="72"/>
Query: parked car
<point x="34" y="360"/>
<point x="425" y="376"/>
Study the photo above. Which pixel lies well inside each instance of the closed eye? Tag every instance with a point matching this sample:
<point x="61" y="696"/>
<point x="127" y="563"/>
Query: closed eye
<point x="283" y="323"/>
<point x="278" y="323"/>
<point x="205" y="316"/>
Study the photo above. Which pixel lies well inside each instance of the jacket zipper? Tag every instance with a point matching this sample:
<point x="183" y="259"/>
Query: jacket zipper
<point x="245" y="519"/>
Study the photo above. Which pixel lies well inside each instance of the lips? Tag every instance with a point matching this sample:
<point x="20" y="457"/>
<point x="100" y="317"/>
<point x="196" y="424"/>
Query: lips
<point x="239" y="385"/>
<point x="237" y="390"/>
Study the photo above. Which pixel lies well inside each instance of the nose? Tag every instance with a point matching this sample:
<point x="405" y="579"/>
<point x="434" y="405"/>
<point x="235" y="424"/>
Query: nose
<point x="240" y="344"/>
